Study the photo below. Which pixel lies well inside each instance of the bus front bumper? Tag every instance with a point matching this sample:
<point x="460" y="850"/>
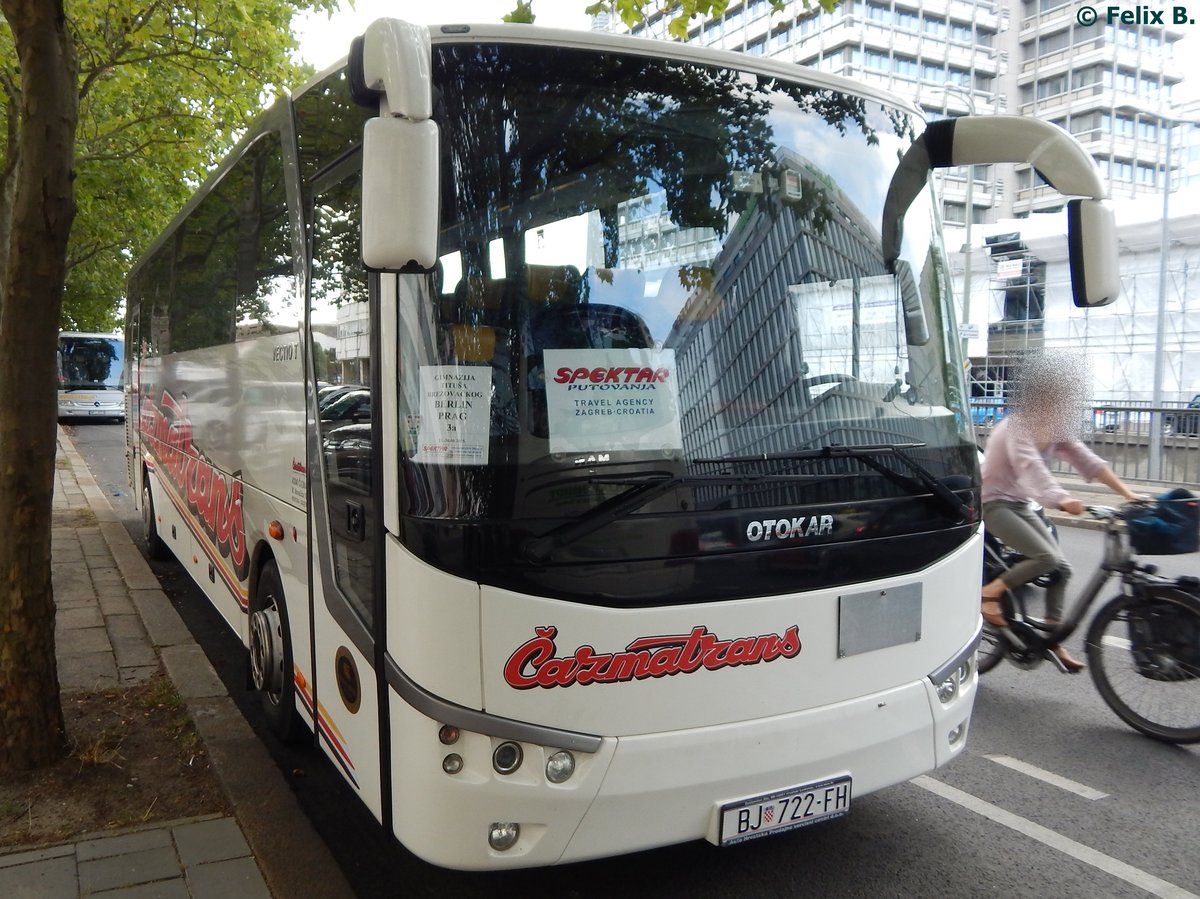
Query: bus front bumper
<point x="644" y="791"/>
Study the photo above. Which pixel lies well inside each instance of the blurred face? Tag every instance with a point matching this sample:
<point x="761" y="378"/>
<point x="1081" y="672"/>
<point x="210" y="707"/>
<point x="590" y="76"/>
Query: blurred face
<point x="1051" y="396"/>
<point x="1051" y="417"/>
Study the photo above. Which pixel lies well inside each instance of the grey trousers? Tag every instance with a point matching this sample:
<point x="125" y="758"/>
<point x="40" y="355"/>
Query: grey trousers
<point x="1020" y="528"/>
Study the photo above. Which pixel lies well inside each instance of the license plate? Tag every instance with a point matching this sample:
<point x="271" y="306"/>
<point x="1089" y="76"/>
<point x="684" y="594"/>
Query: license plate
<point x="800" y="806"/>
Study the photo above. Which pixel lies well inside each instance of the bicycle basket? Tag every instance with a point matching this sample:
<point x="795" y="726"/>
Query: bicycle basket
<point x="1165" y="641"/>
<point x="1171" y="527"/>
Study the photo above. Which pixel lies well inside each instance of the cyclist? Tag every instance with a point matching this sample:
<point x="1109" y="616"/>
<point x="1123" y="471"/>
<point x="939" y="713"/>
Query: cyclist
<point x="1042" y="424"/>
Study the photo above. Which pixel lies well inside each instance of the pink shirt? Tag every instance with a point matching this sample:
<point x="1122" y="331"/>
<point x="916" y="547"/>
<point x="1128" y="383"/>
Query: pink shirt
<point x="1015" y="470"/>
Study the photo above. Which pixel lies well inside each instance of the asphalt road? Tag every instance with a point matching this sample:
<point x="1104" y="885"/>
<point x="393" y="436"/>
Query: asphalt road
<point x="1053" y="797"/>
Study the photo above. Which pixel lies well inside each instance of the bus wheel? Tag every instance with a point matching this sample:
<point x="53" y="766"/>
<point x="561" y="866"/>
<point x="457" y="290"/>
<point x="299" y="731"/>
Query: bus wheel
<point x="155" y="547"/>
<point x="271" y="655"/>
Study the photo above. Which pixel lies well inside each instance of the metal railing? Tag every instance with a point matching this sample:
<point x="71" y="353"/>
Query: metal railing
<point x="1120" y="433"/>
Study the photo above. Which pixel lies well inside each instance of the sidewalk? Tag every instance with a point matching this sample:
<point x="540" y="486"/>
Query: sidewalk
<point x="114" y="626"/>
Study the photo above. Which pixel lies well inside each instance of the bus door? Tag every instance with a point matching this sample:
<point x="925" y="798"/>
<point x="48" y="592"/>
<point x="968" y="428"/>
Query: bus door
<point x="343" y="467"/>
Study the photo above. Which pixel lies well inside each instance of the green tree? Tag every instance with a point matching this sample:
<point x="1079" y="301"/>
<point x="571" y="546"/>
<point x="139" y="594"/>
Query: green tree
<point x="113" y="111"/>
<point x="679" y="13"/>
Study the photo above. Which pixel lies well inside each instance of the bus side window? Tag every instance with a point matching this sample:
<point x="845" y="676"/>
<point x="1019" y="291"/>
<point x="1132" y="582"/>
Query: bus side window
<point x="347" y="441"/>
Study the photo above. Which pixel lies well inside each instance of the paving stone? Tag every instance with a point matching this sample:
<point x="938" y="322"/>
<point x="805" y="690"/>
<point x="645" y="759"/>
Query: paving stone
<point x="128" y="869"/>
<point x="74" y="600"/>
<point x="191" y="672"/>
<point x="106" y="576"/>
<point x="136" y="675"/>
<point x="130" y="644"/>
<point x="114" y="600"/>
<point x="219" y="880"/>
<point x="93" y="671"/>
<point x="51" y="879"/>
<point x="35" y="855"/>
<point x="89" y="640"/>
<point x="163" y="624"/>
<point x="160" y="889"/>
<point x="136" y="573"/>
<point x="105" y="847"/>
<point x="217" y="840"/>
<point x="79" y="617"/>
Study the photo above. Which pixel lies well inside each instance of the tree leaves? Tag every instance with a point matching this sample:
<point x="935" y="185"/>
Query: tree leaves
<point x="680" y="13"/>
<point x="165" y="91"/>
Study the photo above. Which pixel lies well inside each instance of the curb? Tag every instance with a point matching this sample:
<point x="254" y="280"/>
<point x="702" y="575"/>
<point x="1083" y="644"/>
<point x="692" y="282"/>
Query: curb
<point x="295" y="862"/>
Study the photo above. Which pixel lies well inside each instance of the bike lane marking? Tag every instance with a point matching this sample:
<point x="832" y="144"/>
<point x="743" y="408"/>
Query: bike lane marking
<point x="1143" y="880"/>
<point x="1049" y="777"/>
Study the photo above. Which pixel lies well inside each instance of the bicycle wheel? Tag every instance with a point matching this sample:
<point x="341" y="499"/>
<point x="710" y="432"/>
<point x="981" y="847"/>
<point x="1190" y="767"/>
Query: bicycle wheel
<point x="1144" y="655"/>
<point x="991" y="649"/>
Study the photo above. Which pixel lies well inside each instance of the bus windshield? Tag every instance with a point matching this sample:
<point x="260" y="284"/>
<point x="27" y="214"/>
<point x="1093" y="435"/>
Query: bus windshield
<point x="656" y="271"/>
<point x="90" y="362"/>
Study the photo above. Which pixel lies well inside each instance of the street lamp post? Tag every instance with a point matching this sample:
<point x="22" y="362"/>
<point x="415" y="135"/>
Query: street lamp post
<point x="1160" y="324"/>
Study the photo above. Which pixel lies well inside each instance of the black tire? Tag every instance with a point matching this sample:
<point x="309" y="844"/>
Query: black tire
<point x="991" y="649"/>
<point x="1144" y="655"/>
<point x="156" y="548"/>
<point x="278" y="696"/>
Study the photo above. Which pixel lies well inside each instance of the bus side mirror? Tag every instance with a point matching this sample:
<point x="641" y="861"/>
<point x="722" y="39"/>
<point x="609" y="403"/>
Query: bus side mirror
<point x="1092" y="244"/>
<point x="399" y="194"/>
<point x="389" y="69"/>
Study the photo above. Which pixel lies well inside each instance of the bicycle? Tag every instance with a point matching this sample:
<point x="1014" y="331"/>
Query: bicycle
<point x="1142" y="646"/>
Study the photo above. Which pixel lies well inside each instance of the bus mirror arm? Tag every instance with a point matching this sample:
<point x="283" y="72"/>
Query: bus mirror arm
<point x="392" y="61"/>
<point x="389" y="68"/>
<point x="1056" y="156"/>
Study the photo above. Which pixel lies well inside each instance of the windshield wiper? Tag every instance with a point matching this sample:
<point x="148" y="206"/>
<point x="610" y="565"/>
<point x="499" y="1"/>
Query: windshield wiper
<point x="645" y="488"/>
<point x="642" y="490"/>
<point x="866" y="454"/>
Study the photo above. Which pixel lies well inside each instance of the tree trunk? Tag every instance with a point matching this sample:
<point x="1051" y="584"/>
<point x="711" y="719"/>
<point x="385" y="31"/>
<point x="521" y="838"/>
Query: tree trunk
<point x="8" y="178"/>
<point x="31" y="721"/>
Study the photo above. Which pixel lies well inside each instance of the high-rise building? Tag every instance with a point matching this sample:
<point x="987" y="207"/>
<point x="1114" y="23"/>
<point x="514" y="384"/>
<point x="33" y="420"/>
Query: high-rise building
<point x="1108" y="84"/>
<point x="1115" y="86"/>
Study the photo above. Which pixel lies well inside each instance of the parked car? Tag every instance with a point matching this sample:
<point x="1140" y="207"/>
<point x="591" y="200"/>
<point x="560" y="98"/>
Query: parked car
<point x="348" y="451"/>
<point x="331" y="392"/>
<point x="1184" y="423"/>
<point x="352" y="406"/>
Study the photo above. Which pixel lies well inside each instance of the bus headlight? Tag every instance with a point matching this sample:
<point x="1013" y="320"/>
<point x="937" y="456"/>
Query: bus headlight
<point x="949" y="680"/>
<point x="955" y="736"/>
<point x="503" y="836"/>
<point x="559" y="767"/>
<point x="947" y="689"/>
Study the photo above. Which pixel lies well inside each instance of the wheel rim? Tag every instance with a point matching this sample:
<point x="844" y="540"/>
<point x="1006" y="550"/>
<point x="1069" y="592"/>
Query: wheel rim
<point x="266" y="660"/>
<point x="147" y="513"/>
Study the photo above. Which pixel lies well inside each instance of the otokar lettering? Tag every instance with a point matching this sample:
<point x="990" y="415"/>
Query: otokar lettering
<point x="535" y="663"/>
<point x="790" y="527"/>
<point x="214" y="498"/>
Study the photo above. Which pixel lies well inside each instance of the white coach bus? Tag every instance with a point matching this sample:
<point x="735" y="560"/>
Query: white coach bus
<point x="91" y="375"/>
<point x="656" y="518"/>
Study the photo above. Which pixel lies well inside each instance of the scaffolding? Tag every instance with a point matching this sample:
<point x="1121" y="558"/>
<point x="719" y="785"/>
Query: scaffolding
<point x="1028" y="299"/>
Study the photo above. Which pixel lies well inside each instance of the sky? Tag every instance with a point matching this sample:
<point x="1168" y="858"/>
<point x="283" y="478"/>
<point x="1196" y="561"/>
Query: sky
<point x="325" y="40"/>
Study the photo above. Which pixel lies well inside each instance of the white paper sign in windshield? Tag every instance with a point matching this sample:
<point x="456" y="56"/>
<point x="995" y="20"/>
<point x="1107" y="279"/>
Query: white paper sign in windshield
<point x="456" y="412"/>
<point x="612" y="400"/>
<point x="838" y="320"/>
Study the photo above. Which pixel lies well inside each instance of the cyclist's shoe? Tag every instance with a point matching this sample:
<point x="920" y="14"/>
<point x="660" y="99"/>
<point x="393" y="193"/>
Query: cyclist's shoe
<point x="1067" y="662"/>
<point x="993" y="613"/>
